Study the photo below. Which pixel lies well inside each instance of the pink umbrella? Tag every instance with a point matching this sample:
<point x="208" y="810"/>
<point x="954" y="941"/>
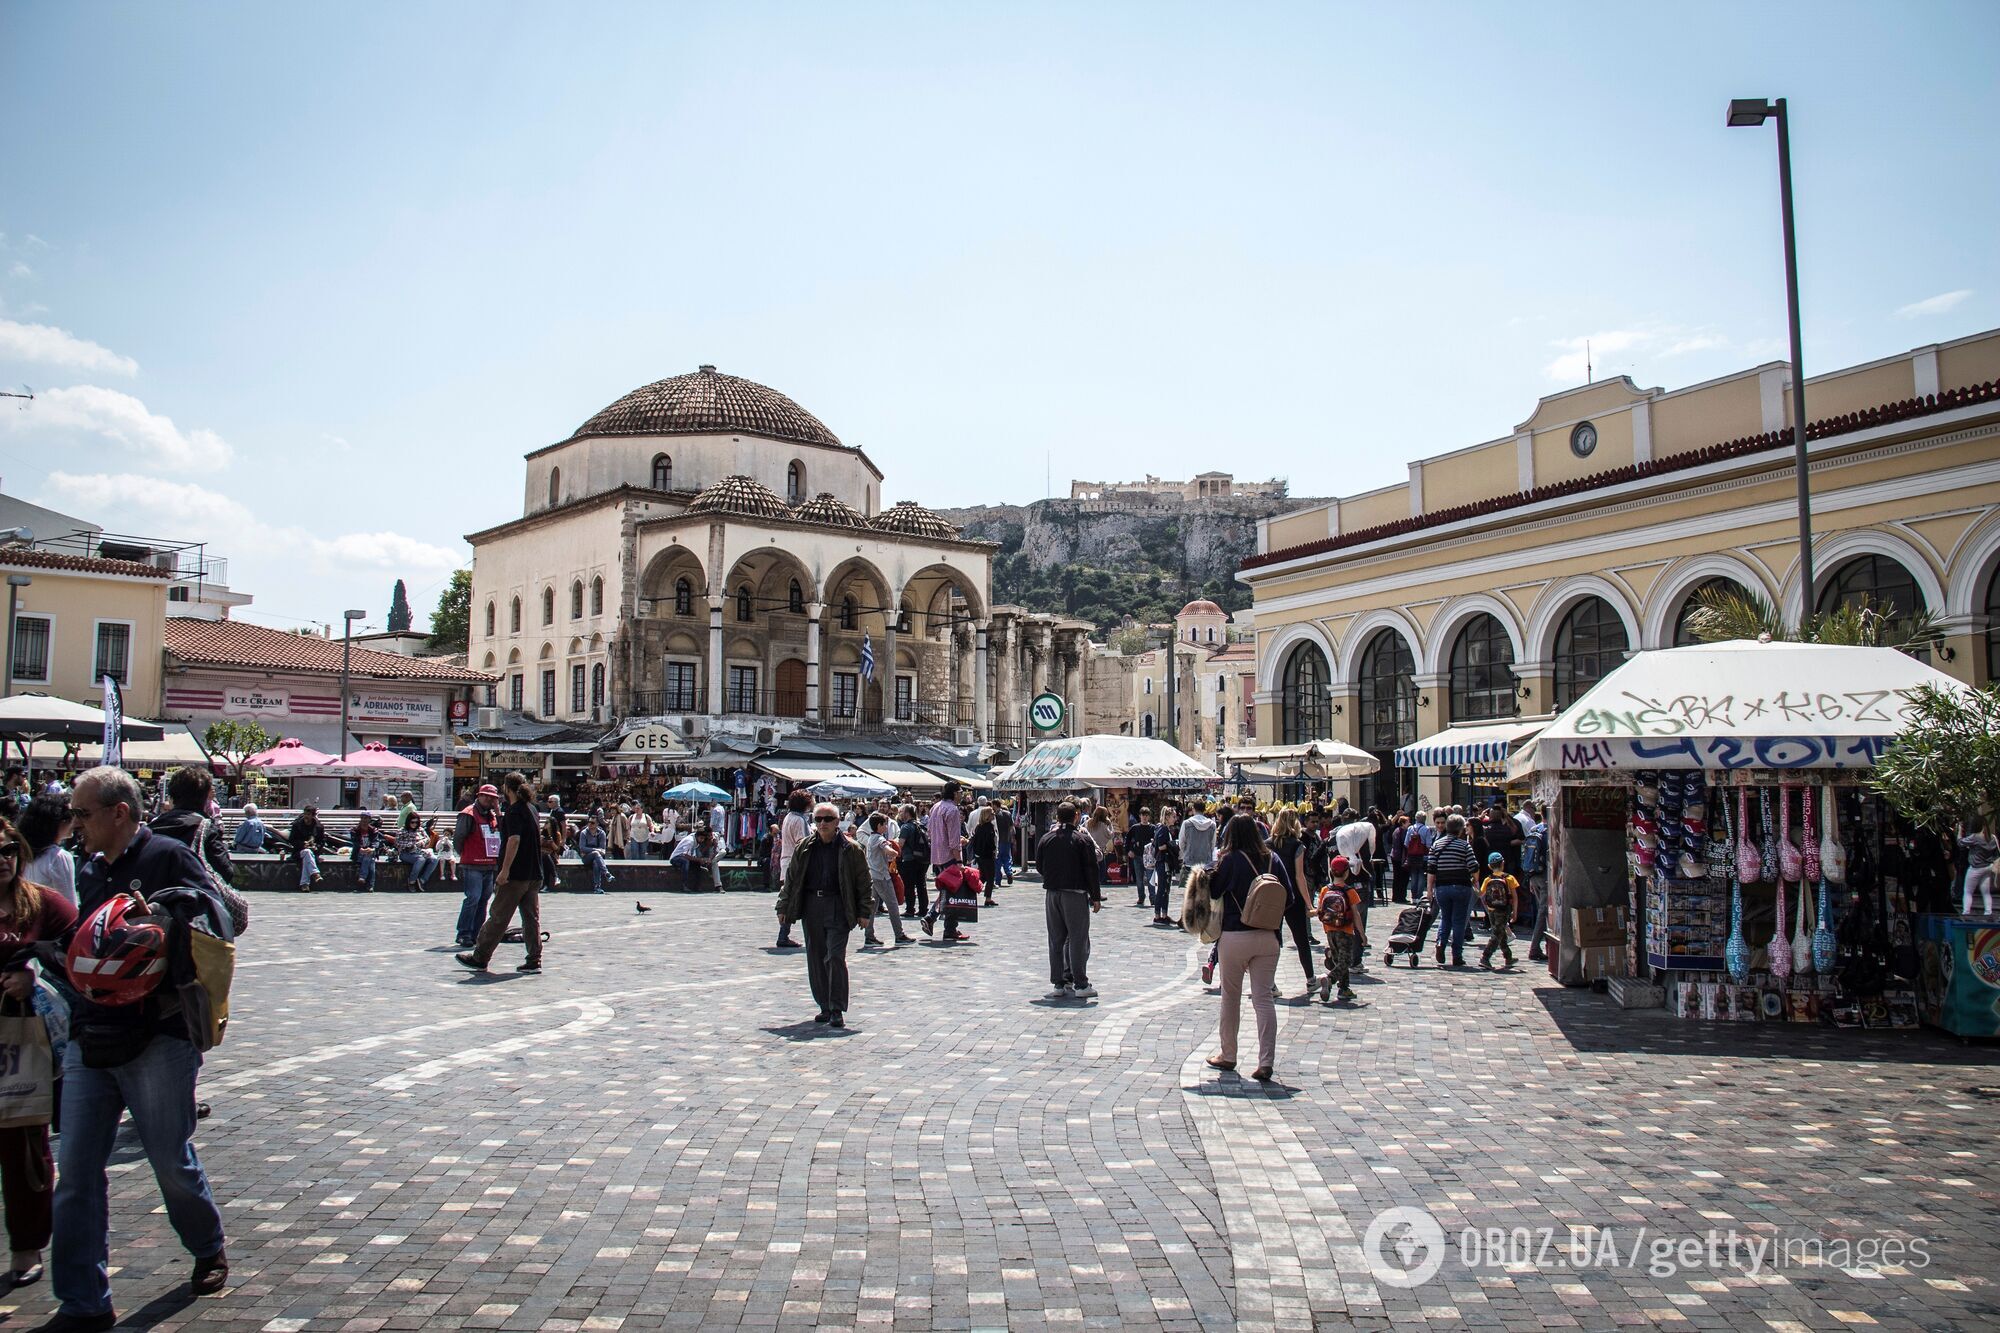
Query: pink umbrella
<point x="289" y="758"/>
<point x="376" y="760"/>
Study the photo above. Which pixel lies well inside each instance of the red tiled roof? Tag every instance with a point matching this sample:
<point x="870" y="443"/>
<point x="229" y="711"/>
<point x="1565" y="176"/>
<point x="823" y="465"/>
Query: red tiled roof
<point x="1884" y="415"/>
<point x="236" y="643"/>
<point x="27" y="557"/>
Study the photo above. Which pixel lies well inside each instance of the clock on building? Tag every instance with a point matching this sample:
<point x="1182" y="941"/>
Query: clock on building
<point x="1583" y="440"/>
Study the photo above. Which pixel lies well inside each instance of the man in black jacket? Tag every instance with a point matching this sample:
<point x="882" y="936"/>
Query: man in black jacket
<point x="1068" y="861"/>
<point x="189" y="791"/>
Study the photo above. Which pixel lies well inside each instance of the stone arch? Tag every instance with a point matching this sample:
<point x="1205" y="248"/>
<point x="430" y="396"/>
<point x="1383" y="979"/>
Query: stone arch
<point x="1833" y="551"/>
<point x="923" y="588"/>
<point x="1671" y="589"/>
<point x="487" y="665"/>
<point x="576" y="646"/>
<point x="1436" y="658"/>
<point x="1275" y="650"/>
<point x="1556" y="601"/>
<point x="513" y="657"/>
<point x="864" y="580"/>
<point x="548" y="653"/>
<point x="666" y="567"/>
<point x="1973" y="563"/>
<point x="1354" y="642"/>
<point x="768" y="571"/>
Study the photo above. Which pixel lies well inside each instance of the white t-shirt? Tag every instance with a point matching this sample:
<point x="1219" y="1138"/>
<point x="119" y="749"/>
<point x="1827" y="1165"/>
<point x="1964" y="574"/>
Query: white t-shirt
<point x="55" y="869"/>
<point x="1526" y="821"/>
<point x="663" y="832"/>
<point x="1354" y="840"/>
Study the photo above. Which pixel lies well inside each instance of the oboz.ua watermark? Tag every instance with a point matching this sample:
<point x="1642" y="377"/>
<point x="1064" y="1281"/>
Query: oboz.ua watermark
<point x="1406" y="1247"/>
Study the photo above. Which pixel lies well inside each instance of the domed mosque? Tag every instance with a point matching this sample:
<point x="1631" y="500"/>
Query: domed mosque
<point x="707" y="556"/>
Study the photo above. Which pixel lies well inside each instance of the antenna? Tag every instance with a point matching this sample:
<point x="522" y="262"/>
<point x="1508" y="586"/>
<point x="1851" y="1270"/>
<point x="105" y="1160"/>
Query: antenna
<point x="1589" y="374"/>
<point x="29" y="396"/>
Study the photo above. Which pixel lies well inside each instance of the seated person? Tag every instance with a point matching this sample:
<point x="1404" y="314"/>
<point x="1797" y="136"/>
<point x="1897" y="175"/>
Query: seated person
<point x="250" y="834"/>
<point x="694" y="856"/>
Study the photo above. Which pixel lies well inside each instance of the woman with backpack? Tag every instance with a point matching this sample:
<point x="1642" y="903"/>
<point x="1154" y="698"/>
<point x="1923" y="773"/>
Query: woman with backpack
<point x="1252" y="887"/>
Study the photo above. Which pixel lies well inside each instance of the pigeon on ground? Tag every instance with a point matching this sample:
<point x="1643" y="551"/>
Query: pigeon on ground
<point x="642" y="907"/>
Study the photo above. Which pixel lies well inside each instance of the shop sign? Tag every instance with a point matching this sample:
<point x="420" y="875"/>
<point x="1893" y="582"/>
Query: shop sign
<point x="522" y="759"/>
<point x="409" y="712"/>
<point x="1596" y="807"/>
<point x="416" y="754"/>
<point x="461" y="711"/>
<point x="652" y="740"/>
<point x="249" y="701"/>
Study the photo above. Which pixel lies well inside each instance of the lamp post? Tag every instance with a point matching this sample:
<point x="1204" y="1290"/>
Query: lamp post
<point x="346" y="653"/>
<point x="15" y="582"/>
<point x="1746" y="112"/>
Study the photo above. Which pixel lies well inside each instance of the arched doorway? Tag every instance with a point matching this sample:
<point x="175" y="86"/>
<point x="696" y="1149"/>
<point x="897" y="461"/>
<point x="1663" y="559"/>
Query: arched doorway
<point x="1482" y="672"/>
<point x="790" y="680"/>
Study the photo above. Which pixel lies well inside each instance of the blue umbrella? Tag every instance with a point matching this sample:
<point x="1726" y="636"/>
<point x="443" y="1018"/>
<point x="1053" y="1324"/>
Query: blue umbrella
<point x="696" y="791"/>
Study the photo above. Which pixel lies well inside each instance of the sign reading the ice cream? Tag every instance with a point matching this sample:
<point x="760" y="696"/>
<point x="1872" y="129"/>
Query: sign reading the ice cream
<point x="249" y="701"/>
<point x="405" y="712"/>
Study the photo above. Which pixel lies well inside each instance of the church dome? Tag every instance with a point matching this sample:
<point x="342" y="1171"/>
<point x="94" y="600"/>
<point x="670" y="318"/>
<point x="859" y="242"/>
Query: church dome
<point x="1201" y="606"/>
<point x="913" y="520"/>
<point x="829" y="509"/>
<point x="709" y="403"/>
<point x="739" y="494"/>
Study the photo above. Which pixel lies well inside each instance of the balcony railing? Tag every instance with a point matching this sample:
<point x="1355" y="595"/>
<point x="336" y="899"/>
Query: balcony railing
<point x="940" y="716"/>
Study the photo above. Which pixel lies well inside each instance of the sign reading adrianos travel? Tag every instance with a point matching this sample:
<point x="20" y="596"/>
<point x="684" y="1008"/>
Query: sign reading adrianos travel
<point x="409" y="712"/>
<point x="1047" y="712"/>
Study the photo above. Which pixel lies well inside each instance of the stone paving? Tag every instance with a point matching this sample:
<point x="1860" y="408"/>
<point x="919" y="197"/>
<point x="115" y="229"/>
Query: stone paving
<point x="650" y="1135"/>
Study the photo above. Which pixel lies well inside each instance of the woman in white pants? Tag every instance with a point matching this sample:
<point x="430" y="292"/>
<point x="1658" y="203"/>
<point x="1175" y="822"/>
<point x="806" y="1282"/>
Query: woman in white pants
<point x="1981" y="850"/>
<point x="1244" y="949"/>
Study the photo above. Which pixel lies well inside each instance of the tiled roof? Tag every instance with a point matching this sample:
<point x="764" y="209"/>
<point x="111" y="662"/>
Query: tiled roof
<point x="236" y="643"/>
<point x="709" y="403"/>
<point x="1886" y="414"/>
<point x="1201" y="606"/>
<point x="829" y="509"/>
<point x="27" y="557"/>
<point x="913" y="520"/>
<point x="738" y="494"/>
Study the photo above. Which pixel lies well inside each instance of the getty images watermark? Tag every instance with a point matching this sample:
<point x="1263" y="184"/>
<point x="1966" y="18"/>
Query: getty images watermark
<point x="1405" y="1247"/>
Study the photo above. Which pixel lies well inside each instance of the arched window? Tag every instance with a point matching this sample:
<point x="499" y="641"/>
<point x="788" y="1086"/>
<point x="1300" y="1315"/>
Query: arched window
<point x="489" y="620"/>
<point x="548" y="606"/>
<point x="576" y="600"/>
<point x="1482" y="672"/>
<point x="514" y="618"/>
<point x="1149" y="684"/>
<point x="1590" y="641"/>
<point x="1875" y="581"/>
<point x="1305" y="710"/>
<point x="795" y="599"/>
<point x="683" y="597"/>
<point x="1388" y="698"/>
<point x="597" y="596"/>
<point x="795" y="483"/>
<point x="555" y="486"/>
<point x="1993" y="627"/>
<point x="1211" y="634"/>
<point x="663" y="472"/>
<point x="847" y="613"/>
<point x="743" y="603"/>
<point x="1146" y="725"/>
<point x="597" y="685"/>
<point x="1684" y="635"/>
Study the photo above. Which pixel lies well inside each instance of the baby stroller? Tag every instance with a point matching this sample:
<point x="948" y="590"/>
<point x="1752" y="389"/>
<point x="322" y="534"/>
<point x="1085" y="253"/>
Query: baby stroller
<point x="1413" y="924"/>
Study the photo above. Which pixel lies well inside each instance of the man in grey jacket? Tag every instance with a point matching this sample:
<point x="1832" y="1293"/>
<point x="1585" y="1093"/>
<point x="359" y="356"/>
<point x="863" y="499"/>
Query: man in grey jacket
<point x="1197" y="839"/>
<point x="1068" y="862"/>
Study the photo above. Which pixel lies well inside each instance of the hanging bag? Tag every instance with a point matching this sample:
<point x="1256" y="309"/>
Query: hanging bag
<point x="27" y="1067"/>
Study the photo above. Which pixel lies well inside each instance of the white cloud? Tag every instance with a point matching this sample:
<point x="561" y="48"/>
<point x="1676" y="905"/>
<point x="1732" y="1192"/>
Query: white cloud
<point x="1932" y="305"/>
<point x="20" y="270"/>
<point x="386" y="551"/>
<point x="1619" y="346"/>
<point x="119" y="417"/>
<point x="47" y="345"/>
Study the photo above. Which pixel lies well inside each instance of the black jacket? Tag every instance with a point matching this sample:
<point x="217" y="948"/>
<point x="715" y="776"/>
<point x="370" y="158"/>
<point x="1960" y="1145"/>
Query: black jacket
<point x="182" y="825"/>
<point x="1068" y="862"/>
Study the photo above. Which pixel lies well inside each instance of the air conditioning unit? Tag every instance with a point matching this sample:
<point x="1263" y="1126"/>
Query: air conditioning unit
<point x="693" y="727"/>
<point x="767" y="735"/>
<point x="600" y="713"/>
<point x="489" y="719"/>
<point x="962" y="736"/>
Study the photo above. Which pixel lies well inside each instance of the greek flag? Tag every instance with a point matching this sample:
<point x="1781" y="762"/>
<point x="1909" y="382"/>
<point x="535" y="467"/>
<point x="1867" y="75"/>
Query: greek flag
<point x="867" y="658"/>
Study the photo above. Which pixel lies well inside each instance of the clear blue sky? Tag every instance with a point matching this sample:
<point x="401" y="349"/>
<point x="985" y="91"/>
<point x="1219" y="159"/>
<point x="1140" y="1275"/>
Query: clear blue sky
<point x="306" y="281"/>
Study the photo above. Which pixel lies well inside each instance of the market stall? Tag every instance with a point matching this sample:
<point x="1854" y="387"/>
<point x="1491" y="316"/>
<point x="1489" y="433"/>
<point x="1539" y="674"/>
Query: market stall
<point x="1119" y="772"/>
<point x="1709" y="832"/>
<point x="1297" y="765"/>
<point x="1471" y="757"/>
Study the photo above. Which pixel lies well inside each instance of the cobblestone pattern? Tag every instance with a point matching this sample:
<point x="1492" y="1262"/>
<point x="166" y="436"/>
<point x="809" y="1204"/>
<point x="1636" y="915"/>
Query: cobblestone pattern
<point x="649" y="1136"/>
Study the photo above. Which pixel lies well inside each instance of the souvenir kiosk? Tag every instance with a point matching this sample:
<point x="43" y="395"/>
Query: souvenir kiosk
<point x="1709" y="833"/>
<point x="1121" y="772"/>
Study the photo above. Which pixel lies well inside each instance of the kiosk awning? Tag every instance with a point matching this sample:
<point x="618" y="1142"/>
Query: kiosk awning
<point x="801" y="768"/>
<point x="964" y="777"/>
<point x="1481" y="745"/>
<point x="899" y="773"/>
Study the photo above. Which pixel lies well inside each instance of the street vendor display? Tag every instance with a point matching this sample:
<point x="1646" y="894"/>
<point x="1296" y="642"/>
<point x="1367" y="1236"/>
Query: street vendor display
<point x="1761" y="881"/>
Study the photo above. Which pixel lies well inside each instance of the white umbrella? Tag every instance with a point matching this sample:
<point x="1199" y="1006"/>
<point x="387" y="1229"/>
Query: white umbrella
<point x="41" y="717"/>
<point x="1320" y="759"/>
<point x="1106" y="761"/>
<point x="851" y="785"/>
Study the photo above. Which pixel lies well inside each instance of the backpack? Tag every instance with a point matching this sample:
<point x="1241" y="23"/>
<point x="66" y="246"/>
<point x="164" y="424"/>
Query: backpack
<point x="918" y="845"/>
<point x="1319" y="852"/>
<point x="1413" y="842"/>
<point x="1531" y="853"/>
<point x="1335" y="909"/>
<point x="1264" y="901"/>
<point x="1494" y="893"/>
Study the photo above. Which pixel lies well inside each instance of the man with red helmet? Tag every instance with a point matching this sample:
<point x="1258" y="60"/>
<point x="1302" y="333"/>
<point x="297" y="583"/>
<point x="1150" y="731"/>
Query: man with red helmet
<point x="133" y="1057"/>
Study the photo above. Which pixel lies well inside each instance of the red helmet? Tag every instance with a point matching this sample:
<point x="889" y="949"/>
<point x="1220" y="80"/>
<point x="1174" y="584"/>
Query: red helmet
<point x="119" y="952"/>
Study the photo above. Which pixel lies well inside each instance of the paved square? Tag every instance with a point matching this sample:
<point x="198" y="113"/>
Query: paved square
<point x="650" y="1135"/>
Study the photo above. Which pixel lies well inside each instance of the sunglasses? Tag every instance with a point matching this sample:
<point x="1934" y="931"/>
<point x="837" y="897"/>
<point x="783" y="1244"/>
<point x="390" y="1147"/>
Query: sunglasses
<point x="826" y="819"/>
<point x="14" y="849"/>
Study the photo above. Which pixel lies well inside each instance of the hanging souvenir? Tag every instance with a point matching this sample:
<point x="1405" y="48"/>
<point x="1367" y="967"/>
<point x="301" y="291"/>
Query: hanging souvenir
<point x="1790" y="863"/>
<point x="1736" y="953"/>
<point x="1801" y="944"/>
<point x="1808" y="843"/>
<point x="1767" y="847"/>
<point x="1823" y="944"/>
<point x="1832" y="856"/>
<point x="1749" y="865"/>
<point x="1778" y="949"/>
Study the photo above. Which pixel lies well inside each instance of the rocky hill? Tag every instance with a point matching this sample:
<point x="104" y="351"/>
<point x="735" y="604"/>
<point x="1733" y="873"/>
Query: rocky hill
<point x="1063" y="556"/>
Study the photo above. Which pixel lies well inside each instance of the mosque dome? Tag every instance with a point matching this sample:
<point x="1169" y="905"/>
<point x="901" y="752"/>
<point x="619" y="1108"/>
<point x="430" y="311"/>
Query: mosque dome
<point x="829" y="509"/>
<point x="913" y="520"/>
<point x="738" y="494"/>
<point x="709" y="402"/>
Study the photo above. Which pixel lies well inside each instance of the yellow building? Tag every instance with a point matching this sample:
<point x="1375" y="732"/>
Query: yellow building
<point x="79" y="618"/>
<point x="1501" y="580"/>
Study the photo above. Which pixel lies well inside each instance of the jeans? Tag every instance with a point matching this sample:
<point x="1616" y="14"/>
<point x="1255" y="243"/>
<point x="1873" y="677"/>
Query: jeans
<point x="1006" y="858"/>
<point x="885" y="908"/>
<point x="157" y="1087"/>
<point x="364" y="872"/>
<point x="1162" y="886"/>
<point x="478" y="882"/>
<point x="1300" y="925"/>
<point x="1068" y="918"/>
<point x="599" y="872"/>
<point x="308" y="867"/>
<point x="425" y="865"/>
<point x="1454" y="903"/>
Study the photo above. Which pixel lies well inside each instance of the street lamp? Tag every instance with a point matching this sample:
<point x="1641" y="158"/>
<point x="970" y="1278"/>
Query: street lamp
<point x="1746" y="112"/>
<point x="15" y="582"/>
<point x="346" y="652"/>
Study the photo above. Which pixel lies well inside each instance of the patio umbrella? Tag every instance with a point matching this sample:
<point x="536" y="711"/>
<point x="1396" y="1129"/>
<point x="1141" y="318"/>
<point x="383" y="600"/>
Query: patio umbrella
<point x="695" y="791"/>
<point x="290" y="758"/>
<point x="1106" y="761"/>
<point x="41" y="717"/>
<point x="852" y="786"/>
<point x="1321" y="759"/>
<point x="376" y="760"/>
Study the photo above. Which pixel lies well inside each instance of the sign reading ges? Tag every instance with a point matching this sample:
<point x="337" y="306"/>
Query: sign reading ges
<point x="1047" y="712"/>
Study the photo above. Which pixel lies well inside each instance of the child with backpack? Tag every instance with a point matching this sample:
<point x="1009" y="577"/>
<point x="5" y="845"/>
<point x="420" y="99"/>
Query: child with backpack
<point x="1339" y="911"/>
<point x="1499" y="893"/>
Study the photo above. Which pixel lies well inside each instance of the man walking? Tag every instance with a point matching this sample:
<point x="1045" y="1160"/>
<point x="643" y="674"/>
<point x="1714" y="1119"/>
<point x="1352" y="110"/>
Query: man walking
<point x="518" y="882"/>
<point x="790" y="834"/>
<point x="129" y="1057"/>
<point x="944" y="826"/>
<point x="1069" y="874"/>
<point x="476" y="835"/>
<point x="826" y="887"/>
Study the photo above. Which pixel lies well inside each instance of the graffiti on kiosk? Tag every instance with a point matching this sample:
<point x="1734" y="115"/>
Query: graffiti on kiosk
<point x="1700" y="712"/>
<point x="1729" y="752"/>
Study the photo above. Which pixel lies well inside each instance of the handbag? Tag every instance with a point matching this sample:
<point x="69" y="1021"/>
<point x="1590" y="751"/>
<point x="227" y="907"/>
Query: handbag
<point x="27" y="1067"/>
<point x="205" y="1000"/>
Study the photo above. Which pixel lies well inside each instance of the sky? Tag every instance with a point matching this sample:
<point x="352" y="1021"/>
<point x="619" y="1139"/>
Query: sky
<point x="306" y="281"/>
